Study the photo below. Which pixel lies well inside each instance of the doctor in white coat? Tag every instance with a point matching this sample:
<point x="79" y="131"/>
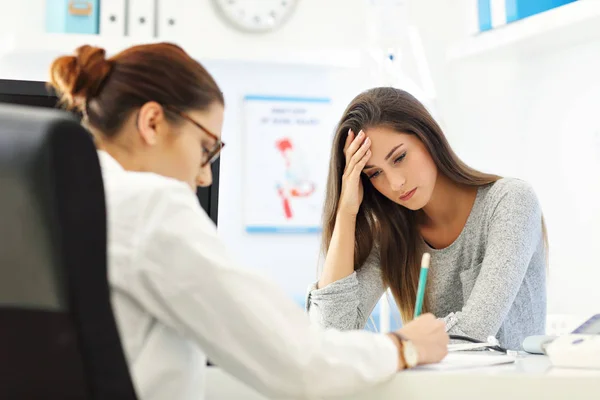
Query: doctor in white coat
<point x="156" y="116"/>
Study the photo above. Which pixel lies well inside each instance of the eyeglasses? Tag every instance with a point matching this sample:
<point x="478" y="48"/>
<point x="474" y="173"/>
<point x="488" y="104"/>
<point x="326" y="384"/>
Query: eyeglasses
<point x="210" y="155"/>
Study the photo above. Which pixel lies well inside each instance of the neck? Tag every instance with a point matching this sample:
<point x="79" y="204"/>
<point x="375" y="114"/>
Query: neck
<point x="121" y="153"/>
<point x="448" y="202"/>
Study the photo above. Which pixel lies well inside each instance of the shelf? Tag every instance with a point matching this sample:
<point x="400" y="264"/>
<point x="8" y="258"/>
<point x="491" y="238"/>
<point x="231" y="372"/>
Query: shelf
<point x="569" y="25"/>
<point x="57" y="44"/>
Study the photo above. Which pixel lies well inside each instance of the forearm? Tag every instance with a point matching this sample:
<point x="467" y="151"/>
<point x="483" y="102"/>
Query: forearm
<point x="339" y="262"/>
<point x="338" y="305"/>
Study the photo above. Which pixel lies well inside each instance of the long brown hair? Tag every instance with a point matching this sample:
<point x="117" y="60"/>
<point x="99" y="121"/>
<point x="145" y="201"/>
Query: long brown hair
<point x="106" y="91"/>
<point x="381" y="221"/>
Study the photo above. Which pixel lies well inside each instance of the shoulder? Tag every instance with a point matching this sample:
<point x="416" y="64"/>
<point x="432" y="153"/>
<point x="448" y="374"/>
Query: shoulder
<point x="142" y="186"/>
<point x="512" y="196"/>
<point x="510" y="189"/>
<point x="151" y="199"/>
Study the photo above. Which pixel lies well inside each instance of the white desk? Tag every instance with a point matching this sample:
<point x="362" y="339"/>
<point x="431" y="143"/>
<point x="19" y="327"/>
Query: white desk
<point x="531" y="378"/>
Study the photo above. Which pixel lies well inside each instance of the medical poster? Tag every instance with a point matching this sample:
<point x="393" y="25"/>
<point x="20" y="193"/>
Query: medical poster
<point x="286" y="156"/>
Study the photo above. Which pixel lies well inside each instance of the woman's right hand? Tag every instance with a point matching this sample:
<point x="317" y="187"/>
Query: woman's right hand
<point x="357" y="152"/>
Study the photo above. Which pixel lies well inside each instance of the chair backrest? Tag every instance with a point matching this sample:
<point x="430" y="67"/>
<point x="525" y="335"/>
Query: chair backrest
<point x="58" y="336"/>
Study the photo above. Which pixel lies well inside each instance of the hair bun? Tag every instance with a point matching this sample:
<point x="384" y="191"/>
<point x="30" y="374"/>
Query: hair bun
<point x="79" y="78"/>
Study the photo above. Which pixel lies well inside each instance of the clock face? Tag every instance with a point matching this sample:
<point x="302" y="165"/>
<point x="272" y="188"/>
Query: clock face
<point x="256" y="15"/>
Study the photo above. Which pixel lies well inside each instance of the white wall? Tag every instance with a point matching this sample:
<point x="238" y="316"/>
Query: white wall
<point x="536" y="118"/>
<point x="11" y="10"/>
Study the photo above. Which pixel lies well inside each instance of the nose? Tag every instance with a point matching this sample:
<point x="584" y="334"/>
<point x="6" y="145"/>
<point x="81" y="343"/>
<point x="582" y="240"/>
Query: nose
<point x="204" y="177"/>
<point x="397" y="183"/>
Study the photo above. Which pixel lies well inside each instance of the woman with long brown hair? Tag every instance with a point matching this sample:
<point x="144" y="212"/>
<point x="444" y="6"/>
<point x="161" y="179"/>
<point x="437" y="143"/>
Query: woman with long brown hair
<point x="396" y="190"/>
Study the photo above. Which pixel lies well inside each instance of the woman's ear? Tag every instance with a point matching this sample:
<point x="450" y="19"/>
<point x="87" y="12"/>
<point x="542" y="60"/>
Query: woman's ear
<point x="149" y="118"/>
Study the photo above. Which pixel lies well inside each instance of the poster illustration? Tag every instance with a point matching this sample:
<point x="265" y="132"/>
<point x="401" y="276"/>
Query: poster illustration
<point x="286" y="154"/>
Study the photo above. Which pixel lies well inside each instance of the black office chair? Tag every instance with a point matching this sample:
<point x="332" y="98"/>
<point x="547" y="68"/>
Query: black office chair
<point x="58" y="336"/>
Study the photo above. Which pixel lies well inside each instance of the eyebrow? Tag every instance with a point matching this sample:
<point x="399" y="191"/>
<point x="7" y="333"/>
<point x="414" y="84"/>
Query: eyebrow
<point x="386" y="157"/>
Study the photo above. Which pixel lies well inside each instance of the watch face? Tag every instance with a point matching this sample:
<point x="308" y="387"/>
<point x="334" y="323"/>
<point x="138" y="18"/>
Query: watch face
<point x="410" y="354"/>
<point x="256" y="15"/>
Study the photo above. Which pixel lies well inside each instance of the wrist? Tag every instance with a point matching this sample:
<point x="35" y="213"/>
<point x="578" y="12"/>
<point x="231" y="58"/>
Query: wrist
<point x="346" y="215"/>
<point x="399" y="350"/>
<point x="408" y="350"/>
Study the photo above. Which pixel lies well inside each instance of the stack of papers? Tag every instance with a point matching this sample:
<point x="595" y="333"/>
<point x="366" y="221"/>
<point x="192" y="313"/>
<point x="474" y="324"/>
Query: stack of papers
<point x="467" y="346"/>
<point x="469" y="360"/>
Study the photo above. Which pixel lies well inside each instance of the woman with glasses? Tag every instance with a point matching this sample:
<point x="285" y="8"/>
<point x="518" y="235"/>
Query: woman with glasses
<point x="156" y="117"/>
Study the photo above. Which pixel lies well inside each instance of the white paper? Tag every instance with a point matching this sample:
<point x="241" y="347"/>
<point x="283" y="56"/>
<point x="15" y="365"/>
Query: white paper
<point x="467" y="346"/>
<point x="468" y="360"/>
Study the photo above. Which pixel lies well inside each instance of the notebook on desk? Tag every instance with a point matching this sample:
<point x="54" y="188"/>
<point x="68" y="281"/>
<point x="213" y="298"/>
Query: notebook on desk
<point x="467" y="346"/>
<point x="468" y="360"/>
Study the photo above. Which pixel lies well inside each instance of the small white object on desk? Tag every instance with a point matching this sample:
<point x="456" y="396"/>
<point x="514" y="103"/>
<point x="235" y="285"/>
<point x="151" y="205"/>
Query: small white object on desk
<point x="536" y="344"/>
<point x="575" y="351"/>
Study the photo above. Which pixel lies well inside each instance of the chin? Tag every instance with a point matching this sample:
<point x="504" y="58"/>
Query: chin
<point x="410" y="206"/>
<point x="414" y="204"/>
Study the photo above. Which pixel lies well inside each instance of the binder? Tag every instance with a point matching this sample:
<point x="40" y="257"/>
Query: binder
<point x="170" y="18"/>
<point x="498" y="9"/>
<point x="72" y="16"/>
<point x="113" y="18"/>
<point x="142" y="18"/>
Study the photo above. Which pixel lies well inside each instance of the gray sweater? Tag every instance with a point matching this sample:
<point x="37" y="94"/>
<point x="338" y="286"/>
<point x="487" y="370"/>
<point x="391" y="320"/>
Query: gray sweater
<point x="490" y="282"/>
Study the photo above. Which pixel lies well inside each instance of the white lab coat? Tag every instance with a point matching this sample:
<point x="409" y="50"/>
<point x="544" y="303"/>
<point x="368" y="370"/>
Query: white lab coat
<point x="178" y="297"/>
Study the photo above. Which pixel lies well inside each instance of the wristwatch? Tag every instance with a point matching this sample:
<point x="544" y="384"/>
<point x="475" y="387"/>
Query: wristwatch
<point x="408" y="351"/>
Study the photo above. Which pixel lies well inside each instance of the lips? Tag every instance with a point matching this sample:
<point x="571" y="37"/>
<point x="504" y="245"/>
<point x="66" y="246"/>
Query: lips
<point x="408" y="195"/>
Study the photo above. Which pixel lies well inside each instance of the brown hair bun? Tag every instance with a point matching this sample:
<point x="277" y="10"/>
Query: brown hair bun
<point x="79" y="78"/>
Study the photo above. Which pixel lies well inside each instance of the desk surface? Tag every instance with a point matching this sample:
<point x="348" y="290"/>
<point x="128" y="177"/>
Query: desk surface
<point x="530" y="377"/>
